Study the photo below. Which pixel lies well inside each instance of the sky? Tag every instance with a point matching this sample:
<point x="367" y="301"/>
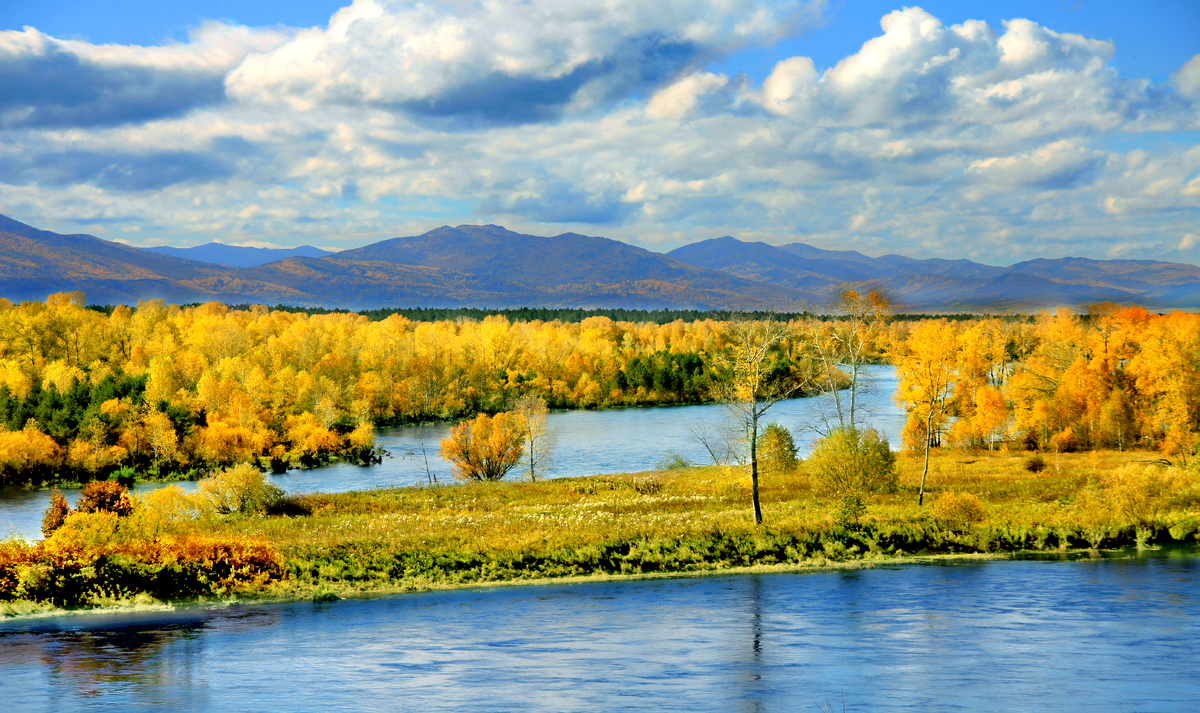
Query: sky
<point x="997" y="132"/>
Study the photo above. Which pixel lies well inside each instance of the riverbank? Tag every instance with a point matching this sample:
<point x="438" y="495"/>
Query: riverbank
<point x="663" y="523"/>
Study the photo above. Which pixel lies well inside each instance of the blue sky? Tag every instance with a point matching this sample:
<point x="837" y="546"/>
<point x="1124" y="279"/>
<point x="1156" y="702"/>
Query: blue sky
<point x="994" y="131"/>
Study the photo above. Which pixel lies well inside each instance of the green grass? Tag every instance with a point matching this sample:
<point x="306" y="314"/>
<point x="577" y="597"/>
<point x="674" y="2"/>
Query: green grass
<point x="695" y="520"/>
<point x="698" y="520"/>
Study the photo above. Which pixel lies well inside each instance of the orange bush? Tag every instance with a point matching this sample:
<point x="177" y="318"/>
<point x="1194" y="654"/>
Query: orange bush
<point x="105" y="496"/>
<point x="69" y="573"/>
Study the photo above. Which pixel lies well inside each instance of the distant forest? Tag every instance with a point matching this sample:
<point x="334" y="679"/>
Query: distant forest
<point x="169" y="389"/>
<point x="571" y="315"/>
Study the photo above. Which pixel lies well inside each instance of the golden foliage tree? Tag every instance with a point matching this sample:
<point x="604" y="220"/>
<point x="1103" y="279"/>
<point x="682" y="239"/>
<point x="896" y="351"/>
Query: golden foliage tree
<point x="927" y="368"/>
<point x="485" y="448"/>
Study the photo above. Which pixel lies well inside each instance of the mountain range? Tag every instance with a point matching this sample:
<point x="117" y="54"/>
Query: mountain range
<point x="489" y="266"/>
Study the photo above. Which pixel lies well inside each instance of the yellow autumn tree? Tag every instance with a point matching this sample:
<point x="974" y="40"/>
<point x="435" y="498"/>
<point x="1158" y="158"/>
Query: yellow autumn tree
<point x="926" y="365"/>
<point x="485" y="448"/>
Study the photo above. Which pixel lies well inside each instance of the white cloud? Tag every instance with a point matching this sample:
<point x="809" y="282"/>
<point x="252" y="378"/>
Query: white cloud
<point x="1059" y="165"/>
<point x="65" y="83"/>
<point x="606" y="119"/>
<point x="791" y="87"/>
<point x="501" y="62"/>
<point x="677" y="100"/>
<point x="1187" y="79"/>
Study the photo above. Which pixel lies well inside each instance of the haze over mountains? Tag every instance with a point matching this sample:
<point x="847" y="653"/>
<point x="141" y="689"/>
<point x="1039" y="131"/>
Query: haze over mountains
<point x="238" y="255"/>
<point x="489" y="266"/>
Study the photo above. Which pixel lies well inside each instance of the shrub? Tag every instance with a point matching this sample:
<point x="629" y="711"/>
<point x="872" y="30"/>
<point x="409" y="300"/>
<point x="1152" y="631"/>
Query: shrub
<point x="851" y="509"/>
<point x="776" y="450"/>
<point x="77" y="566"/>
<point x="673" y="460"/>
<point x="124" y="476"/>
<point x="1140" y="493"/>
<point x="161" y="509"/>
<point x="958" y="510"/>
<point x="853" y="460"/>
<point x="240" y="489"/>
<point x="86" y="529"/>
<point x="647" y="486"/>
<point x="1035" y="463"/>
<point x="55" y="513"/>
<point x="485" y="448"/>
<point x="105" y="496"/>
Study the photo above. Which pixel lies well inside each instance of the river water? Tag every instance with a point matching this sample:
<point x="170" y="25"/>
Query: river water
<point x="589" y="442"/>
<point x="1109" y="634"/>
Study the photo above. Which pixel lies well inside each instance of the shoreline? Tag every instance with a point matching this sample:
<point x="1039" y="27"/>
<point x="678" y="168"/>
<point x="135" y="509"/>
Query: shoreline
<point x="685" y="522"/>
<point x="135" y="612"/>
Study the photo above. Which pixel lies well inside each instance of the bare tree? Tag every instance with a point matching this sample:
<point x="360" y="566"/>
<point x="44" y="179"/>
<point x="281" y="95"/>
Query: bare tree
<point x="540" y="439"/>
<point x="761" y="374"/>
<point x="723" y="442"/>
<point x="846" y="346"/>
<point x="430" y="476"/>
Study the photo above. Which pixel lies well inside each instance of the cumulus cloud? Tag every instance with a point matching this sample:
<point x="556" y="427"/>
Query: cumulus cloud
<point x="64" y="83"/>
<point x="791" y="87"/>
<point x="1056" y="166"/>
<point x="921" y="70"/>
<point x="966" y="140"/>
<point x="679" y="99"/>
<point x="502" y="62"/>
<point x="1187" y="79"/>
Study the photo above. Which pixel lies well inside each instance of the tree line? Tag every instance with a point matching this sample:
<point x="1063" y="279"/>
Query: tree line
<point x="166" y="389"/>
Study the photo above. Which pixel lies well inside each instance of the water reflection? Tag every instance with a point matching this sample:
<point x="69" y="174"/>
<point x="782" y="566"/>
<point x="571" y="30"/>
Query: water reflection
<point x="1018" y="635"/>
<point x="155" y="666"/>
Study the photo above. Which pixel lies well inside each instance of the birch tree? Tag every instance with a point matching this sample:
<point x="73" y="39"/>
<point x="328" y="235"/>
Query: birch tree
<point x="926" y="366"/>
<point x="761" y="374"/>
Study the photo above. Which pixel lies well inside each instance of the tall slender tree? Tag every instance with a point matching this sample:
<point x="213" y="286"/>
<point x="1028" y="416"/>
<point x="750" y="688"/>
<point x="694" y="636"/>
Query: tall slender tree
<point x="761" y="374"/>
<point x="926" y="365"/>
<point x="540" y="439"/>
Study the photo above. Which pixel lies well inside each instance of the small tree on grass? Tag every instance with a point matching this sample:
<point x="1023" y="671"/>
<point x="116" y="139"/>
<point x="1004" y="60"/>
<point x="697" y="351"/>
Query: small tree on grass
<point x="776" y="450"/>
<point x="55" y="514"/>
<point x="540" y="439"/>
<point x="850" y="461"/>
<point x="759" y="373"/>
<point x="240" y="489"/>
<point x="485" y="448"/>
<point x="105" y="496"/>
<point x="97" y="496"/>
<point x="927" y="367"/>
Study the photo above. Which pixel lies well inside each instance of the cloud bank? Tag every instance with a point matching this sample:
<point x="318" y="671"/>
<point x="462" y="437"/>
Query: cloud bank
<point x="995" y="143"/>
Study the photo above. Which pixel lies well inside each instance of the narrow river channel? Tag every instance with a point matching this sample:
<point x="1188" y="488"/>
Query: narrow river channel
<point x="589" y="442"/>
<point x="1107" y="634"/>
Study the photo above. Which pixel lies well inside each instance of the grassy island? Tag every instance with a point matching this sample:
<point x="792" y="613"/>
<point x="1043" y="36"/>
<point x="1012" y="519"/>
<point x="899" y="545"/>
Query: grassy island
<point x="685" y="520"/>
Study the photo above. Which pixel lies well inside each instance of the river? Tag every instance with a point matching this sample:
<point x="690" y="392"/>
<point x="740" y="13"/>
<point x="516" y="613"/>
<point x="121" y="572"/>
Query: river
<point x="589" y="442"/>
<point x="1106" y="634"/>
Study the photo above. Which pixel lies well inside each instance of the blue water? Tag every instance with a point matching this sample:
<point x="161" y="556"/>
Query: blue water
<point x="589" y="442"/>
<point x="1105" y="635"/>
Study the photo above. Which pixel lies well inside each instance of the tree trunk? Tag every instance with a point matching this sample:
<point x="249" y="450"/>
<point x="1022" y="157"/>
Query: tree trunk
<point x="928" y="438"/>
<point x="754" y="468"/>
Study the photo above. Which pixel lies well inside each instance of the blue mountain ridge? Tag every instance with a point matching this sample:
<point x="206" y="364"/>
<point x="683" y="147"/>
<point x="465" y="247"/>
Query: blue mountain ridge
<point x="489" y="266"/>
